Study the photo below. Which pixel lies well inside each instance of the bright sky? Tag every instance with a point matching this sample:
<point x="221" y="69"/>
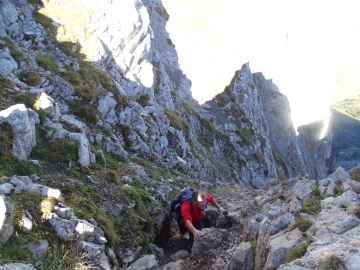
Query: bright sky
<point x="311" y="49"/>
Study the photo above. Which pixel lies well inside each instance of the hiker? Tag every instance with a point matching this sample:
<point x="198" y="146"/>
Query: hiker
<point x="191" y="215"/>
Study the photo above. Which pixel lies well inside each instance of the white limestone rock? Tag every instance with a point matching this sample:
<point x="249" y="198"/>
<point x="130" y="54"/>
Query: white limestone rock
<point x="23" y="128"/>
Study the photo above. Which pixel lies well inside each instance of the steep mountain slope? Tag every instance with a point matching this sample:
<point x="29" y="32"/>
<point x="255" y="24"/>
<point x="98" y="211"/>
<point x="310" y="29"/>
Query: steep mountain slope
<point x="96" y="108"/>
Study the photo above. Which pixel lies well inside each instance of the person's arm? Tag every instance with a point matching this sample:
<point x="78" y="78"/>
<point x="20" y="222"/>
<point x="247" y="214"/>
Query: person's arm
<point x="193" y="230"/>
<point x="214" y="203"/>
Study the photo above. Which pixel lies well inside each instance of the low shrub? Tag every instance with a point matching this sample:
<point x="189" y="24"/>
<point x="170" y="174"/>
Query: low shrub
<point x="139" y="194"/>
<point x="85" y="92"/>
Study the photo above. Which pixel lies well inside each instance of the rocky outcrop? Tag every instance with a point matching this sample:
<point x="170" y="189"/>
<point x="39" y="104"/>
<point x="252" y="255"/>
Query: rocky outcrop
<point x="238" y="113"/>
<point x="305" y="153"/>
<point x="89" y="237"/>
<point x="273" y="234"/>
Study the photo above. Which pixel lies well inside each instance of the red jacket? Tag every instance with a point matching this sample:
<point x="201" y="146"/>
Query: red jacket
<point x="197" y="214"/>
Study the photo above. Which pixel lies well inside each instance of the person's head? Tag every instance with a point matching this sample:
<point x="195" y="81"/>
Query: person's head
<point x="199" y="198"/>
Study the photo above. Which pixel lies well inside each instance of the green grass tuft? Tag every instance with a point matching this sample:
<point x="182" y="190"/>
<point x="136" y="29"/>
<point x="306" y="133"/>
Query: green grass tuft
<point x="27" y="98"/>
<point x="331" y="263"/>
<point x="28" y="168"/>
<point x="175" y="120"/>
<point x="311" y="207"/>
<point x="6" y="83"/>
<point x="143" y="100"/>
<point x="31" y="78"/>
<point x="46" y="62"/>
<point x="302" y="223"/>
<point x="14" y="51"/>
<point x="296" y="252"/>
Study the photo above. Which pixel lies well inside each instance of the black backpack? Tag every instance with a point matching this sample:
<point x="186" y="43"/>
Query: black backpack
<point x="184" y="195"/>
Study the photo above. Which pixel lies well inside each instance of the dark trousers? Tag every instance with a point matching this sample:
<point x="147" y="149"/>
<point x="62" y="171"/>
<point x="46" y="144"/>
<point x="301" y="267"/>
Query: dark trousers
<point x="199" y="226"/>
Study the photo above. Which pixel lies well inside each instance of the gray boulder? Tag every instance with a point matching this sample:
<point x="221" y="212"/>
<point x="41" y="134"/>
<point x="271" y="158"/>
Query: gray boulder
<point x="210" y="239"/>
<point x="279" y="245"/>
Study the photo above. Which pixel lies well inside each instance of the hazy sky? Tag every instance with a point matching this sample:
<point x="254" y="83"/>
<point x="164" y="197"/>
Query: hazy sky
<point x="311" y="49"/>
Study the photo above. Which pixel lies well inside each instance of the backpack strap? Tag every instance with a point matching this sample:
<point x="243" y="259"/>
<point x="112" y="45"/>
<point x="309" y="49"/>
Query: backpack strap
<point x="191" y="206"/>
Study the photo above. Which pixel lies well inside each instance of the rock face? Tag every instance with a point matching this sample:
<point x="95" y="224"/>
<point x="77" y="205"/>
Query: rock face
<point x="310" y="143"/>
<point x="238" y="113"/>
<point x="298" y="151"/>
<point x="281" y="130"/>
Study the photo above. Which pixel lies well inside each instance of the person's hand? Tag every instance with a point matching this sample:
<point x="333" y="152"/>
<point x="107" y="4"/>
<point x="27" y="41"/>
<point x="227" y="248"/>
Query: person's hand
<point x="197" y="235"/>
<point x="223" y="212"/>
